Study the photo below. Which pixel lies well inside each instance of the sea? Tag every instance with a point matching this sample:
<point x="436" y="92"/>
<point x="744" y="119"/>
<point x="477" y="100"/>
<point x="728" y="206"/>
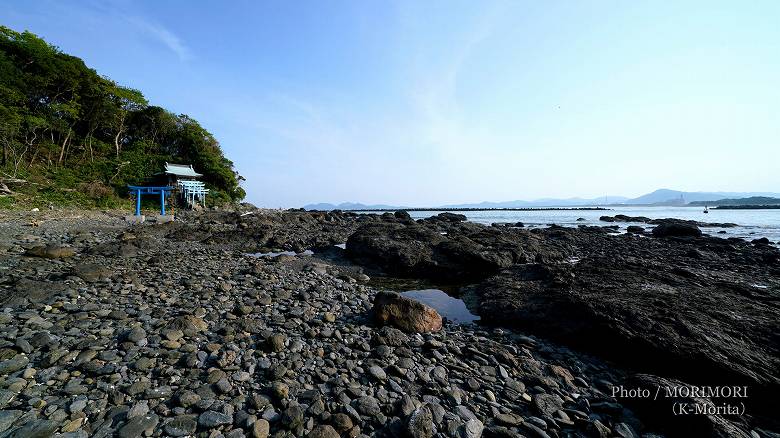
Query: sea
<point x="752" y="224"/>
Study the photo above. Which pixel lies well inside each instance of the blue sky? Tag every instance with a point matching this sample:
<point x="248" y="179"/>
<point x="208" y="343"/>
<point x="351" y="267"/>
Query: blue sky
<point x="437" y="102"/>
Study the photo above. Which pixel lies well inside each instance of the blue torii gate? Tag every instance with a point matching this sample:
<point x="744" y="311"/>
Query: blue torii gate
<point x="142" y="190"/>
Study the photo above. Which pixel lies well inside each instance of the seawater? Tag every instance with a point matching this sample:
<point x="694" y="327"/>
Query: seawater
<point x="448" y="306"/>
<point x="753" y="224"/>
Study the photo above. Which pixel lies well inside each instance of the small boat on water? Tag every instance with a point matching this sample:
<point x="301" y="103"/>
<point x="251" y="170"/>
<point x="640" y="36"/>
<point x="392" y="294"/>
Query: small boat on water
<point x="706" y="210"/>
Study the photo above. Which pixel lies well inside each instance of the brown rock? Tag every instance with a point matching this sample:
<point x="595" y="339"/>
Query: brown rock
<point x="405" y="313"/>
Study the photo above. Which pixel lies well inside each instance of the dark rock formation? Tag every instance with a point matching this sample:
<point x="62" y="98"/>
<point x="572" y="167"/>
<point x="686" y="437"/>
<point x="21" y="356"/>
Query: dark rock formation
<point x="446" y="250"/>
<point x="676" y="229"/>
<point x="647" y="220"/>
<point x="702" y="309"/>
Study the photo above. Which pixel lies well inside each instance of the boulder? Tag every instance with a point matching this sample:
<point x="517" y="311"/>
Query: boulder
<point x="405" y="313"/>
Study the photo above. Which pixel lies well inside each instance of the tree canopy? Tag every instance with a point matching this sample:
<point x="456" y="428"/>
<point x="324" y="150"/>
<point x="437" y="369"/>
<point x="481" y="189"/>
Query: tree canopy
<point x="69" y="130"/>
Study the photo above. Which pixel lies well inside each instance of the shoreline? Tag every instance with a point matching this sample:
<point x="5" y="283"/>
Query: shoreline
<point x="370" y="210"/>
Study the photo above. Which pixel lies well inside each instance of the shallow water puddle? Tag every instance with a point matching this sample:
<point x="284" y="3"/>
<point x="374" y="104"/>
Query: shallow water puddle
<point x="449" y="307"/>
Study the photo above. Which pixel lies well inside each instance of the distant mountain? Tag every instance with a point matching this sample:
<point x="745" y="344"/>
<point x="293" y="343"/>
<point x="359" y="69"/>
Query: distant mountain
<point x="676" y="197"/>
<point x="753" y="200"/>
<point x="350" y="206"/>
<point x="660" y="197"/>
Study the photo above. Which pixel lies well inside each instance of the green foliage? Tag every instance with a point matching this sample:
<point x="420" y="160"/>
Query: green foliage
<point x="82" y="138"/>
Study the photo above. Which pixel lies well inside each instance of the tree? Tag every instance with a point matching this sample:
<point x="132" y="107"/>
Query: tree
<point x="126" y="100"/>
<point x="64" y="124"/>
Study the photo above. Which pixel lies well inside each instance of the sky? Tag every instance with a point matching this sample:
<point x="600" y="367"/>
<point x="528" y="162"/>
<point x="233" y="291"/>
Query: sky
<point x="442" y="102"/>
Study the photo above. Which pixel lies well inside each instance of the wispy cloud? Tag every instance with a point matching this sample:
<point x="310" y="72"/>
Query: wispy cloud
<point x="162" y="35"/>
<point x="435" y="92"/>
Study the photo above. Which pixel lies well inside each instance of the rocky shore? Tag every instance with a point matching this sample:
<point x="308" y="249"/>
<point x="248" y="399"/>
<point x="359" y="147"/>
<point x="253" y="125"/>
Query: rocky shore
<point x="108" y="329"/>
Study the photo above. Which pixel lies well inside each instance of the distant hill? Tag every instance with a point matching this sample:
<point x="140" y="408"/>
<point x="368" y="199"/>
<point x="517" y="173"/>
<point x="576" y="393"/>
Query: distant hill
<point x="753" y="200"/>
<point x="676" y="197"/>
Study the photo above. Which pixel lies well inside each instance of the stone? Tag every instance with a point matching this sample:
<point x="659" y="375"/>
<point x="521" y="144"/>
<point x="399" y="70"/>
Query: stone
<point x="91" y="272"/>
<point x="211" y="419"/>
<point x="471" y="429"/>
<point x="73" y="425"/>
<point x="7" y="418"/>
<point x="368" y="406"/>
<point x="420" y="424"/>
<point x="547" y="404"/>
<point x="34" y="429"/>
<point x="377" y="373"/>
<point x="182" y="425"/>
<point x="188" y="324"/>
<point x="138" y="426"/>
<point x="323" y="431"/>
<point x="13" y="364"/>
<point x="292" y="417"/>
<point x="342" y="422"/>
<point x="138" y="409"/>
<point x="280" y="390"/>
<point x="405" y="313"/>
<point x="261" y="428"/>
<point x="277" y="342"/>
<point x="509" y="419"/>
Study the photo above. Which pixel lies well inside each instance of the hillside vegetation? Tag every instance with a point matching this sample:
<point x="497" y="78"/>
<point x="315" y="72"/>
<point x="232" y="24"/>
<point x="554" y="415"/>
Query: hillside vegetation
<point x="753" y="200"/>
<point x="72" y="137"/>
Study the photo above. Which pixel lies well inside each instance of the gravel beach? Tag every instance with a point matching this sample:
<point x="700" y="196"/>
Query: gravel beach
<point x="108" y="329"/>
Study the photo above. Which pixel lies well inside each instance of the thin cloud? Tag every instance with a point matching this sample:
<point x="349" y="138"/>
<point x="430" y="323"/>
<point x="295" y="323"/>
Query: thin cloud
<point x="164" y="36"/>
